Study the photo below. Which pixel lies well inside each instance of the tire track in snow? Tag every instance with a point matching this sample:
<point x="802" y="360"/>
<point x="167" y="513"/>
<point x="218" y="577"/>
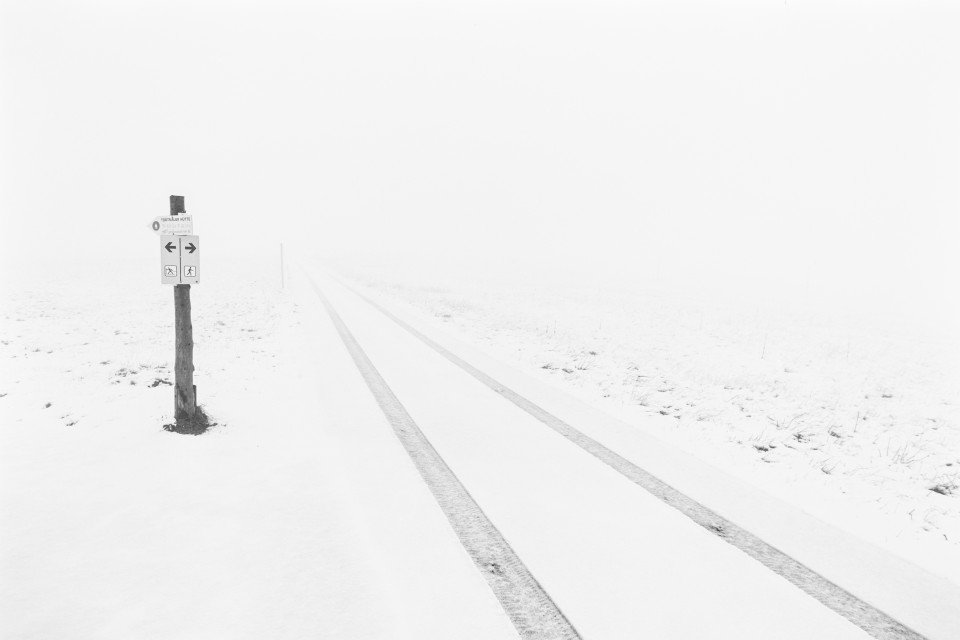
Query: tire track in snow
<point x="529" y="607"/>
<point x="875" y="622"/>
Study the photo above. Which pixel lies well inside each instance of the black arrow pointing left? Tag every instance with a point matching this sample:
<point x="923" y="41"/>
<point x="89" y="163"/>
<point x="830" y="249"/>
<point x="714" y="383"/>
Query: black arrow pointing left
<point x="190" y="248"/>
<point x="169" y="247"/>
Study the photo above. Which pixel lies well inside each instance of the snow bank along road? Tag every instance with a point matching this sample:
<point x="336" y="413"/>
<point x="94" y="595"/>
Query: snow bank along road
<point x="584" y="536"/>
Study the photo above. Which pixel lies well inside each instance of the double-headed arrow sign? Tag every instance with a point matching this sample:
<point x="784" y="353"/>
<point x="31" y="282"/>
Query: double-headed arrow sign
<point x="170" y="247"/>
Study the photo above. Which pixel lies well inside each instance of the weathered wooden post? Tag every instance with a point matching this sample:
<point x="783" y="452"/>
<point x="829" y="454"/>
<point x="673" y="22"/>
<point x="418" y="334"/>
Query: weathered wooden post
<point x="185" y="392"/>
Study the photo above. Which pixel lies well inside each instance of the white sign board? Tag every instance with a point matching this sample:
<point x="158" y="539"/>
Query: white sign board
<point x="173" y="225"/>
<point x="179" y="259"/>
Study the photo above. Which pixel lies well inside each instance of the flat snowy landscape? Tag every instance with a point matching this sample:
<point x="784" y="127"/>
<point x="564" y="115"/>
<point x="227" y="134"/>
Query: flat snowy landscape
<point x="853" y="417"/>
<point x="297" y="514"/>
<point x="583" y="320"/>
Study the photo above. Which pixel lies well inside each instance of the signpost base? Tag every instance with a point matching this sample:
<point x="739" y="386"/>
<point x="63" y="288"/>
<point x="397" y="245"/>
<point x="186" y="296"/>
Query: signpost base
<point x="185" y="393"/>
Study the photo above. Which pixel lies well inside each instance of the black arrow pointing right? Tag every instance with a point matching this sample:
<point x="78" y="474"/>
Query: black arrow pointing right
<point x="190" y="248"/>
<point x="170" y="247"/>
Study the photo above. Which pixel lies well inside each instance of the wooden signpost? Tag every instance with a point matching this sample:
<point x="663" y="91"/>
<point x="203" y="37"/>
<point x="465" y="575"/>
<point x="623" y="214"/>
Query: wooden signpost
<point x="185" y="392"/>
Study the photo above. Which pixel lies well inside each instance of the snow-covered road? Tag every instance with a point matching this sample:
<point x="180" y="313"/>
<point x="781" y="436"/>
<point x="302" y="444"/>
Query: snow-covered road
<point x="614" y="558"/>
<point x="301" y="515"/>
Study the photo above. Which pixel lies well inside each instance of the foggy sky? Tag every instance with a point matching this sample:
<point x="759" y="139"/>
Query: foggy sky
<point x="751" y="145"/>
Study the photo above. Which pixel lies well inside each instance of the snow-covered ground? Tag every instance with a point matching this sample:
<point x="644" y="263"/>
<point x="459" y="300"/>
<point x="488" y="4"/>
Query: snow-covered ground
<point x="299" y="513"/>
<point x="854" y="418"/>
<point x="295" y="516"/>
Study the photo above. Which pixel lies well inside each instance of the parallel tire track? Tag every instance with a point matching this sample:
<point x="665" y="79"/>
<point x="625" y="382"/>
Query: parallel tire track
<point x="526" y="603"/>
<point x="875" y="622"/>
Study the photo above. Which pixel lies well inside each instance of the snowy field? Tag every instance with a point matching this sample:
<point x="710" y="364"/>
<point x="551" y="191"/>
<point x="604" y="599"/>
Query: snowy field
<point x="296" y="515"/>
<point x="852" y="417"/>
<point x="297" y="511"/>
<point x="113" y="527"/>
<point x="716" y="238"/>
